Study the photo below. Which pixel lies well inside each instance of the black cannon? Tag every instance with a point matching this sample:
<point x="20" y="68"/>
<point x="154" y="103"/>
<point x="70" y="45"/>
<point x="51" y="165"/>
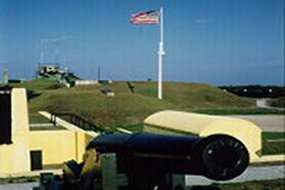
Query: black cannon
<point x="151" y="161"/>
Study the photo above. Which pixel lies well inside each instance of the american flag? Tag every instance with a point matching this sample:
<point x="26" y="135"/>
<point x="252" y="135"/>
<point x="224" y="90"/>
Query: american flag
<point x="150" y="17"/>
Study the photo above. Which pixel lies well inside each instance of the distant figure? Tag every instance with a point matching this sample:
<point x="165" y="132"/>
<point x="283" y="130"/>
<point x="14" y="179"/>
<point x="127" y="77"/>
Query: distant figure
<point x="131" y="87"/>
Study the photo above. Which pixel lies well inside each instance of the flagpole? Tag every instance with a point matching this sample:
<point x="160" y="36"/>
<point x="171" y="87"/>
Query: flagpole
<point x="160" y="56"/>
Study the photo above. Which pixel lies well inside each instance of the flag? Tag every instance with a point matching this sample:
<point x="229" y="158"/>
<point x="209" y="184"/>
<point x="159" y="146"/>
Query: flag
<point x="150" y="17"/>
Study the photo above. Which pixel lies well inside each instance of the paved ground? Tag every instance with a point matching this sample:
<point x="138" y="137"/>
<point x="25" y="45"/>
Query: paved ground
<point x="21" y="186"/>
<point x="266" y="122"/>
<point x="252" y="173"/>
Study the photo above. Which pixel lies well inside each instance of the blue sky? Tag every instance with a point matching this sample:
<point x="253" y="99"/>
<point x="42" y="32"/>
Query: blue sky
<point x="212" y="41"/>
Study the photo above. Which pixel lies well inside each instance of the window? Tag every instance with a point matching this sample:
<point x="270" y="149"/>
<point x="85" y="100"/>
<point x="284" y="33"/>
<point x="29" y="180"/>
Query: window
<point x="36" y="160"/>
<point x="5" y="115"/>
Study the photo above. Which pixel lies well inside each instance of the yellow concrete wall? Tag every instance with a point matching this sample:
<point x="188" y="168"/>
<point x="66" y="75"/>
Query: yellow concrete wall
<point x="14" y="157"/>
<point x="181" y="121"/>
<point x="56" y="146"/>
<point x="59" y="146"/>
<point x="20" y="119"/>
<point x="204" y="125"/>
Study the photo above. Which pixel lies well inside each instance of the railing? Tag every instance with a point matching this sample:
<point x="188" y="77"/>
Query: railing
<point x="76" y="120"/>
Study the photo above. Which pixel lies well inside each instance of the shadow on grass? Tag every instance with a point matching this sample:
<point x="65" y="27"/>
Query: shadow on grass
<point x="32" y="94"/>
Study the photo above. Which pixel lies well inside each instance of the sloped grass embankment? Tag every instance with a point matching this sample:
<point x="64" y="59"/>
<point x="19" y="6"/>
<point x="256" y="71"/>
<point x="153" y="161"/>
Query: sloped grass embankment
<point x="127" y="108"/>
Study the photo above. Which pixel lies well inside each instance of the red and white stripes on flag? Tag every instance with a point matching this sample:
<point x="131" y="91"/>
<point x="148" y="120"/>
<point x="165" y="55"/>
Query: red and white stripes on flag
<point x="150" y="17"/>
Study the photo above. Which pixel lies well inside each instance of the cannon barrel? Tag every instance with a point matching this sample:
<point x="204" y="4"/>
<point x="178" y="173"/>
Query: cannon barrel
<point x="218" y="157"/>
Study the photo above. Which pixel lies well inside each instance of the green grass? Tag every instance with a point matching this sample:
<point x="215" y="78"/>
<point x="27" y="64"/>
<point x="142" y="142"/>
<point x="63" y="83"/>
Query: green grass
<point x="278" y="102"/>
<point x="37" y="118"/>
<point x="275" y="147"/>
<point x="136" y="128"/>
<point x="129" y="109"/>
<point x="273" y="135"/>
<point x="38" y="85"/>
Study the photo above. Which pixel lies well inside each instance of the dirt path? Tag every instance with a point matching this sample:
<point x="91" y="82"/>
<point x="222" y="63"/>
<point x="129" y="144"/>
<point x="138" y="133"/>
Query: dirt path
<point x="263" y="103"/>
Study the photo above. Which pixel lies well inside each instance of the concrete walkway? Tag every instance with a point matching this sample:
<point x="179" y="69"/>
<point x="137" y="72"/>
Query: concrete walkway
<point x="252" y="173"/>
<point x="266" y="122"/>
<point x="31" y="173"/>
<point x="20" y="186"/>
<point x="42" y="125"/>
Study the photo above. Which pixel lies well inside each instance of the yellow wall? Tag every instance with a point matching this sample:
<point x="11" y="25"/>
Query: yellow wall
<point x="14" y="157"/>
<point x="204" y="125"/>
<point x="57" y="146"/>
